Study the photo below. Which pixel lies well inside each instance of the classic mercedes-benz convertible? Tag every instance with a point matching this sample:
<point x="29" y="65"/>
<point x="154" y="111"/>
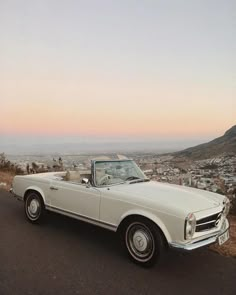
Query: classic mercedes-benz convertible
<point x="116" y="194"/>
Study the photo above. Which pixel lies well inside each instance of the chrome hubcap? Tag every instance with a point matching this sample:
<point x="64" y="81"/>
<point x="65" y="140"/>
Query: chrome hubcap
<point x="140" y="241"/>
<point x="34" y="208"/>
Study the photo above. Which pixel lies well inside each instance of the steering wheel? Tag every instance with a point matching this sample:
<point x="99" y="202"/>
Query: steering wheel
<point x="104" y="180"/>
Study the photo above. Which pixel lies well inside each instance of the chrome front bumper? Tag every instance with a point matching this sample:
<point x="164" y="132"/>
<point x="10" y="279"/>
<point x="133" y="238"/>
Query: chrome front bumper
<point x="204" y="241"/>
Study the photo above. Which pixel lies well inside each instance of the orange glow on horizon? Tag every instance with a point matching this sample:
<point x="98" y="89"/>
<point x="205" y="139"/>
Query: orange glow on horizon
<point x="54" y="108"/>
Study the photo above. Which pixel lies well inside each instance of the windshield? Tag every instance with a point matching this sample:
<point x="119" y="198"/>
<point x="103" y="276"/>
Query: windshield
<point x="114" y="172"/>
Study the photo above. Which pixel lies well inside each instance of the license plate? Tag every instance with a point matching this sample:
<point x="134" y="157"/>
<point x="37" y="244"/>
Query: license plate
<point x="223" y="238"/>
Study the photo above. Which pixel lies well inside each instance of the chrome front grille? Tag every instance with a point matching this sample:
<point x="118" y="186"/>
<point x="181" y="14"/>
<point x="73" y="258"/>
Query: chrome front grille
<point x="208" y="222"/>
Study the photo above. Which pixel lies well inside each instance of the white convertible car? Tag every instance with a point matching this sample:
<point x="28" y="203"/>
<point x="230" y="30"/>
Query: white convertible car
<point x="117" y="195"/>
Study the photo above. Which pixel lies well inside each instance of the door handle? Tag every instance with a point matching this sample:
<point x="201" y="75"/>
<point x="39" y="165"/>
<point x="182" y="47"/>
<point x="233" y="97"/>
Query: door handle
<point x="54" y="188"/>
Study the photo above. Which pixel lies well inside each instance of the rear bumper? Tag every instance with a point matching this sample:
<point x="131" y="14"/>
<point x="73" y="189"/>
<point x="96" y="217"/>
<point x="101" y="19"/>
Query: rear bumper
<point x="204" y="241"/>
<point x="14" y="195"/>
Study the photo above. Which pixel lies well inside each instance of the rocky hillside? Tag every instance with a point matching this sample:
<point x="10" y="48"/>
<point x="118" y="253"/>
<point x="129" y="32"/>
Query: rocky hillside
<point x="218" y="146"/>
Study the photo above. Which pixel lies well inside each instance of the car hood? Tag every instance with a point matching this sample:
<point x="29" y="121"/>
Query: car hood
<point x="169" y="195"/>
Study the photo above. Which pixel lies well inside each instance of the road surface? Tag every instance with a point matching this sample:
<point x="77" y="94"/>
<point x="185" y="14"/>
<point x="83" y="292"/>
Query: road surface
<point x="66" y="256"/>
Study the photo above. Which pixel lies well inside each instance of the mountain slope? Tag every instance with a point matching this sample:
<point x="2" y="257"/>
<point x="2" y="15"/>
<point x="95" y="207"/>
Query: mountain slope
<point x="220" y="145"/>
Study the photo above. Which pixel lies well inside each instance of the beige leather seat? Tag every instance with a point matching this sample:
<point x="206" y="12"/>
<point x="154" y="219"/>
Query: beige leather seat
<point x="73" y="176"/>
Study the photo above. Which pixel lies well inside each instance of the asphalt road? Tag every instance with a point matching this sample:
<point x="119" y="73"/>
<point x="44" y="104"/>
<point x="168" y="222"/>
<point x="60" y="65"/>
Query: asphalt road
<point x="65" y="256"/>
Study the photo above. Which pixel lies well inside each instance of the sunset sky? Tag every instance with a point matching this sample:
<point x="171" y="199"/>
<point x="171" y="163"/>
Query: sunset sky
<point x="125" y="69"/>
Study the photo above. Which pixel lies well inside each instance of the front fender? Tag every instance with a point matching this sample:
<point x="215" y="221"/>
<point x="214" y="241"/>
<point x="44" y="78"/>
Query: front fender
<point x="150" y="216"/>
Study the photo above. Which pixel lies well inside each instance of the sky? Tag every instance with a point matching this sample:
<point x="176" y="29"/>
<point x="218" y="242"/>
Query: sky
<point x="126" y="70"/>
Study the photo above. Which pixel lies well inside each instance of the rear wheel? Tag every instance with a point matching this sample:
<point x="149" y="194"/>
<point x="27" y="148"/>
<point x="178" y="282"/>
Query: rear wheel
<point x="143" y="241"/>
<point x="34" y="207"/>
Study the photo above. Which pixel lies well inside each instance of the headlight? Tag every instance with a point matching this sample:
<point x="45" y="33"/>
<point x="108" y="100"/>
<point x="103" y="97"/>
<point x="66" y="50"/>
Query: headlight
<point x="190" y="226"/>
<point x="227" y="207"/>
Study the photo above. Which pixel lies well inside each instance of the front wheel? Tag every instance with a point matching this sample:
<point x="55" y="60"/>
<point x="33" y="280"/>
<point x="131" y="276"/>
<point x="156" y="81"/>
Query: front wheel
<point x="143" y="241"/>
<point x="34" y="207"/>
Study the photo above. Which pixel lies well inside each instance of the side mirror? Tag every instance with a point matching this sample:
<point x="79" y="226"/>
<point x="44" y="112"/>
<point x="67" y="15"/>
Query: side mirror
<point x="85" y="181"/>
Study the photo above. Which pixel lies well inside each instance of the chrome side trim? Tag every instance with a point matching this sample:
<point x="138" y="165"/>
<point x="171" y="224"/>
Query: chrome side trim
<point x="108" y="226"/>
<point x="200" y="243"/>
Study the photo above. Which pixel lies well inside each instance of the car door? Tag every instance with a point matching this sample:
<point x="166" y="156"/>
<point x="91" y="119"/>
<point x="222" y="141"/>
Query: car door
<point x="76" y="198"/>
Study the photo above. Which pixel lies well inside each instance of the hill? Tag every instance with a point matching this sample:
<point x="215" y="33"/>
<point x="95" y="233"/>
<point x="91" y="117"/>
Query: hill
<point x="225" y="144"/>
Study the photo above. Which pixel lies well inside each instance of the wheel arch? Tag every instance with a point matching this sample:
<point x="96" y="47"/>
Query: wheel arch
<point x="35" y="189"/>
<point x="147" y="215"/>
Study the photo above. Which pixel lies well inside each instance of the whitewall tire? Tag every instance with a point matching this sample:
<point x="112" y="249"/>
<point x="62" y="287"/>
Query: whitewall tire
<point x="143" y="241"/>
<point x="34" y="207"/>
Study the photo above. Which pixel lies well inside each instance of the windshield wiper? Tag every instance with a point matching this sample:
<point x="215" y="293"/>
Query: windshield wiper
<point x="140" y="180"/>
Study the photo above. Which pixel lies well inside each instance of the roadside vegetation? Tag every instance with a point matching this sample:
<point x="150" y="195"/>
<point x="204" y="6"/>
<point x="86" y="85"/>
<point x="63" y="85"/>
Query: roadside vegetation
<point x="7" y="172"/>
<point x="6" y="178"/>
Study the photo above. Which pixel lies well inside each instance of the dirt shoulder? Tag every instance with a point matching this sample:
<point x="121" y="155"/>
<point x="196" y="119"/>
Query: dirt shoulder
<point x="229" y="248"/>
<point x="6" y="179"/>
